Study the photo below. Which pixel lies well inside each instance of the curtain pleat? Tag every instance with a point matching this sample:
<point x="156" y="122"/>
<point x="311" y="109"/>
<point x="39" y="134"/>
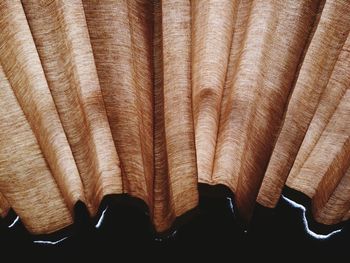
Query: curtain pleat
<point x="264" y="75"/>
<point x="71" y="75"/>
<point x="317" y="67"/>
<point x="328" y="163"/>
<point x="22" y="67"/>
<point x="329" y="100"/>
<point x="336" y="208"/>
<point x="121" y="38"/>
<point x="210" y="53"/>
<point x="148" y="98"/>
<point x="175" y="156"/>
<point x="223" y="170"/>
<point x="26" y="181"/>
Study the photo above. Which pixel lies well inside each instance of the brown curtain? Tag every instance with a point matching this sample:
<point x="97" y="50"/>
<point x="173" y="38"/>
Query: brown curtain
<point x="149" y="98"/>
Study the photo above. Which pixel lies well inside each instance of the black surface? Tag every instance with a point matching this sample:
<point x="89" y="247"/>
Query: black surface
<point x="210" y="232"/>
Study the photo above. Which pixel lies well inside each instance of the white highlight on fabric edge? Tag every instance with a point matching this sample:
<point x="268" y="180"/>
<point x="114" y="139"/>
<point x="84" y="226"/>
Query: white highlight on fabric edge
<point x="306" y="224"/>
<point x="49" y="242"/>
<point x="174" y="233"/>
<point x="231" y="204"/>
<point x="14" y="222"/>
<point x="160" y="239"/>
<point x="291" y="202"/>
<point x="100" y="220"/>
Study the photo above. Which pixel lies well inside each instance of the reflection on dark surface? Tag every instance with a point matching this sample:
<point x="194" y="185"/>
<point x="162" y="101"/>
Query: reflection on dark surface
<point x="212" y="231"/>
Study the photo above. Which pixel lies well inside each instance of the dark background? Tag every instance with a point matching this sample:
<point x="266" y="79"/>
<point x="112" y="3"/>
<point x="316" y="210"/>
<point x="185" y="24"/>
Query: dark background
<point x="211" y="232"/>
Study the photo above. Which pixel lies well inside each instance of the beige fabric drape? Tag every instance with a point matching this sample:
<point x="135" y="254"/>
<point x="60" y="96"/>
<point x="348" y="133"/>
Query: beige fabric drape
<point x="149" y="98"/>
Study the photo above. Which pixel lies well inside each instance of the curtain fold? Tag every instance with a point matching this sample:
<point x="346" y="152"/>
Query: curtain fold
<point x="150" y="98"/>
<point x="264" y="74"/>
<point x="121" y="39"/>
<point x="26" y="80"/>
<point x="316" y="69"/>
<point x="26" y="182"/>
<point x="210" y="53"/>
<point x="71" y="75"/>
<point x="175" y="157"/>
